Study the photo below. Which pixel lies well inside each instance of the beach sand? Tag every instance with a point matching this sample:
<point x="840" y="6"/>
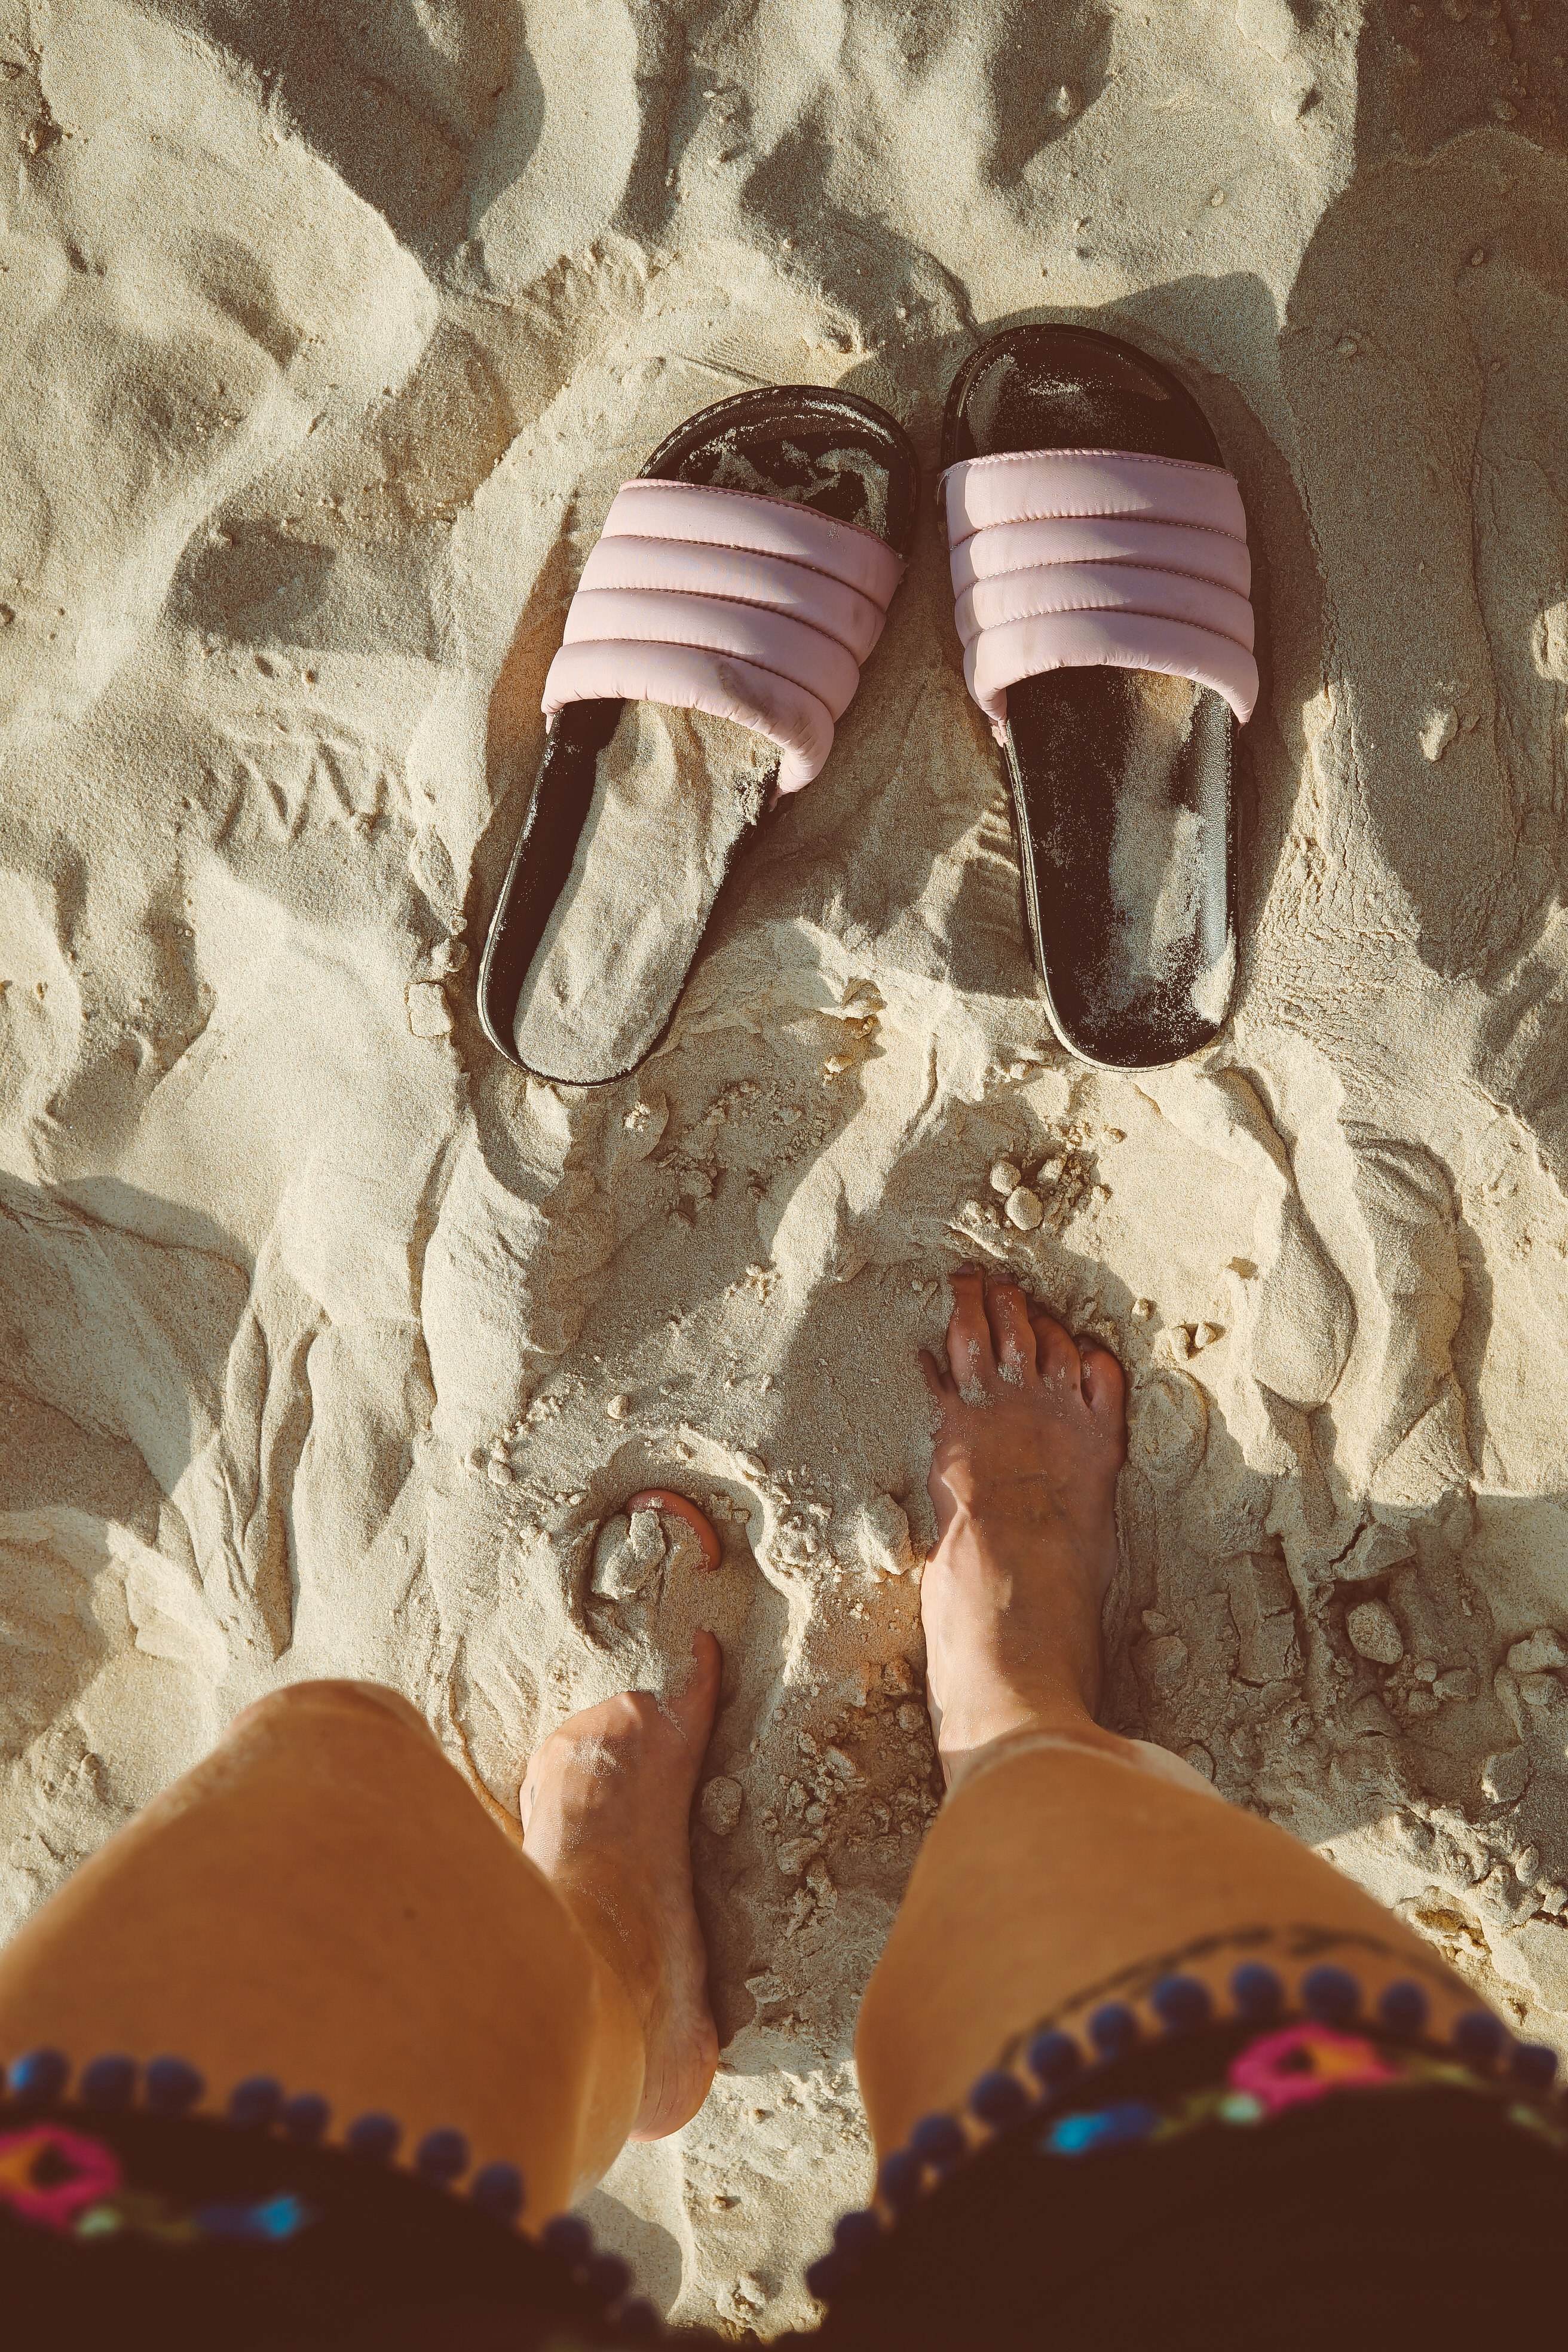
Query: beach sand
<point x="331" y="1341"/>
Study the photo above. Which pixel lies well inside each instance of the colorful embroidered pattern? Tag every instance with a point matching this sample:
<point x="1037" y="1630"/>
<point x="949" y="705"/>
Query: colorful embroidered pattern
<point x="1304" y="2063"/>
<point x="50" y="2175"/>
<point x="63" y="2182"/>
<point x="1289" y="2068"/>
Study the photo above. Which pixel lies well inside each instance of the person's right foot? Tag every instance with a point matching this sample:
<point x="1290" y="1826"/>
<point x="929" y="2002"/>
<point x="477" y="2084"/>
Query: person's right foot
<point x="1031" y="1433"/>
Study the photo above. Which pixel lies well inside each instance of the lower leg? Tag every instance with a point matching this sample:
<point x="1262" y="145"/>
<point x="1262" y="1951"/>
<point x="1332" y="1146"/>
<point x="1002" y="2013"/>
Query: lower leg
<point x="323" y="1900"/>
<point x="1059" y="1859"/>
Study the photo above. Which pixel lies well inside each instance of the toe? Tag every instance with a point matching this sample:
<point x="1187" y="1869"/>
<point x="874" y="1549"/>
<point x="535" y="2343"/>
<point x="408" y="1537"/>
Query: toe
<point x="1012" y="1333"/>
<point x="1104" y="1385"/>
<point x="697" y="1703"/>
<point x="936" y="1378"/>
<point x="969" y="1349"/>
<point x="1055" y="1352"/>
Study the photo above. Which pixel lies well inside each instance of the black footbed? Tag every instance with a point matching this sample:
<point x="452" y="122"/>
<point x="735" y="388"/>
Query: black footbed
<point x="1074" y="735"/>
<point x="784" y="432"/>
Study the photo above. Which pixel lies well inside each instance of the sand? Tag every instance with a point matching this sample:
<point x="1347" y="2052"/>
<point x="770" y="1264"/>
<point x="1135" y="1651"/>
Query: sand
<point x="331" y="1342"/>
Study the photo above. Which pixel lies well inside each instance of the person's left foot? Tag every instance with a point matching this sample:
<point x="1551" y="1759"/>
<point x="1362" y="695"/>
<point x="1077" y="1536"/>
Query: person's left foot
<point x="607" y="1815"/>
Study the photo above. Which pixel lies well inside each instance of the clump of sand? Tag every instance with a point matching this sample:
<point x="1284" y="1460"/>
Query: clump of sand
<point x="332" y="1343"/>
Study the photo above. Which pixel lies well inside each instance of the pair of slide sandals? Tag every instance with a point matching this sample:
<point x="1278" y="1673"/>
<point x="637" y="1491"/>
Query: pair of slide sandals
<point x="1099" y="564"/>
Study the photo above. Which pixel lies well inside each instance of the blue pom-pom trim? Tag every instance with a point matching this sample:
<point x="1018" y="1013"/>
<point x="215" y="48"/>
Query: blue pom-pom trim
<point x="38" y="2078"/>
<point x="499" y="2189"/>
<point x="999" y="2099"/>
<point x="1054" y="2059"/>
<point x="899" y="2180"/>
<point x="173" y="2086"/>
<point x="256" y="2102"/>
<point x="1114" y="2030"/>
<point x="1477" y="2036"/>
<point x="1181" y="2003"/>
<point x="608" y="2277"/>
<point x="374" y="2136"/>
<point x="854" y="2234"/>
<point x="441" y="2156"/>
<point x="826" y="2275"/>
<point x="1331" y="1995"/>
<point x="1403" y="2007"/>
<point x="569" y="2239"/>
<point x="1257" y="1991"/>
<point x="304" y="2117"/>
<point x="939" y="2140"/>
<point x="108" y="2082"/>
<point x="1534" y="2064"/>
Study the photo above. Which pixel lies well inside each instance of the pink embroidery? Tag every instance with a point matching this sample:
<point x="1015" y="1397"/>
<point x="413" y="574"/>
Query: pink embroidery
<point x="1306" y="2062"/>
<point x="49" y="2176"/>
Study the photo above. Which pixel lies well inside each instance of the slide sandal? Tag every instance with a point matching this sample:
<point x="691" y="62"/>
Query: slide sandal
<point x="715" y="638"/>
<point x="1098" y="555"/>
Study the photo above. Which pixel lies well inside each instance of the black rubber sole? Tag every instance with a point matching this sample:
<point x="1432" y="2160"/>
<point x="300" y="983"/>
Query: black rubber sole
<point x="822" y="448"/>
<point x="1106" y="766"/>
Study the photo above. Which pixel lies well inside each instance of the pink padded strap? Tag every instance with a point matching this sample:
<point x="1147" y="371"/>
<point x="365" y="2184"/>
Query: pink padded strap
<point x="751" y="608"/>
<point x="1071" y="558"/>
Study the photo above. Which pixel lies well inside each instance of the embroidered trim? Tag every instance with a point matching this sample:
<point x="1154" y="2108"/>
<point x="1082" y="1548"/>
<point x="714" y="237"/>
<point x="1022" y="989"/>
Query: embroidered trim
<point x="73" y="2185"/>
<point x="1276" y="2075"/>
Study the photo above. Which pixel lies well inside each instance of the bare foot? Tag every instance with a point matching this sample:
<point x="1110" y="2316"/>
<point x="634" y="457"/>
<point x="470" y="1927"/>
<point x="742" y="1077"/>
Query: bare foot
<point x="1031" y="1433"/>
<point x="607" y="1815"/>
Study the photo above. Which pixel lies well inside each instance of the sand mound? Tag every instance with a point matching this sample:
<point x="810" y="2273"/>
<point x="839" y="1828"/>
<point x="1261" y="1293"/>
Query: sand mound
<point x="330" y="1343"/>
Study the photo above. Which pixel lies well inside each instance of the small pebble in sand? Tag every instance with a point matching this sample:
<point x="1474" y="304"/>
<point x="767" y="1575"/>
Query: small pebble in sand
<point x="1023" y="1208"/>
<point x="1554" y="1901"/>
<point x="1142" y="1310"/>
<point x="1505" y="1776"/>
<point x="618" y="1407"/>
<point x="1459" y="1684"/>
<point x="910" y="1718"/>
<point x="500" y="1474"/>
<point x="430" y="1016"/>
<point x="719" y="1804"/>
<point x="1005" y="1178"/>
<point x="1540" y="1690"/>
<point x="1375" y="1632"/>
<point x="884" y="1536"/>
<point x="1543" y="1649"/>
<point x="1527" y="1865"/>
<point x="1204" y="1334"/>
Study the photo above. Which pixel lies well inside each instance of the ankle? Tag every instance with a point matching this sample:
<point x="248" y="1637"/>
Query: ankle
<point x="1057" y="1706"/>
<point x="1064" y="1727"/>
